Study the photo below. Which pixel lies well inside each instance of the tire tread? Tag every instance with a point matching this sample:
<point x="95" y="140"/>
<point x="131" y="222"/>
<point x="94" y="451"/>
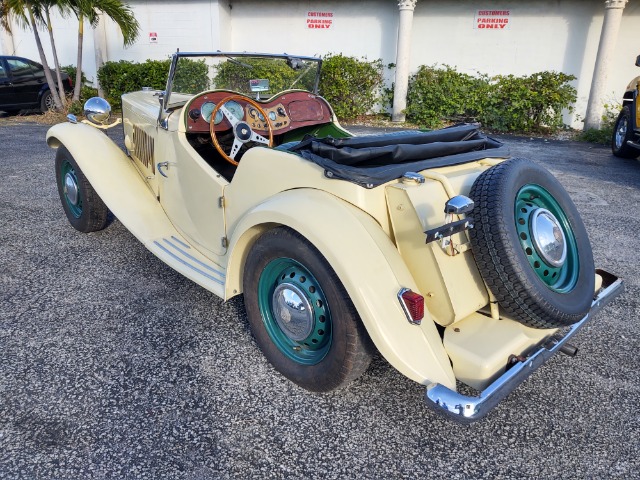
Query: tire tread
<point x="494" y="255"/>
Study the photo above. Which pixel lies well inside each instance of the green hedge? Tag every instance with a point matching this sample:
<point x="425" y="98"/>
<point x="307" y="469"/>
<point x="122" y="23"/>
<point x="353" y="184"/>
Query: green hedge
<point x="442" y="95"/>
<point x="117" y="78"/>
<point x="352" y="86"/>
<point x="236" y="76"/>
<point x="438" y="96"/>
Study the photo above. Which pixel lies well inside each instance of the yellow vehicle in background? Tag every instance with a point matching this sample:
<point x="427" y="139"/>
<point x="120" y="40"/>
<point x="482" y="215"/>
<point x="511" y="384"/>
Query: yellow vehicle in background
<point x="625" y="141"/>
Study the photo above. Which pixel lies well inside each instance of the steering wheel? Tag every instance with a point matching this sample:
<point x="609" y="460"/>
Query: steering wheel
<point x="242" y="132"/>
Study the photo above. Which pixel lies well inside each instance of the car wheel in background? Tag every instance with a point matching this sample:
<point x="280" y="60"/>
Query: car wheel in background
<point x="46" y="102"/>
<point x="622" y="133"/>
<point x="531" y="246"/>
<point x="301" y="315"/>
<point x="85" y="210"/>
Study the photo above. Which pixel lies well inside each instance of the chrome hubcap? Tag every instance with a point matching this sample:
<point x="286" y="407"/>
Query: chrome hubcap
<point x="71" y="189"/>
<point x="621" y="132"/>
<point x="292" y="311"/>
<point x="548" y="237"/>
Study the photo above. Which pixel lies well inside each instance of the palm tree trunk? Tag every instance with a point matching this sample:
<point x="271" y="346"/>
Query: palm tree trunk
<point x="43" y="59"/>
<point x="78" y="85"/>
<point x="56" y="63"/>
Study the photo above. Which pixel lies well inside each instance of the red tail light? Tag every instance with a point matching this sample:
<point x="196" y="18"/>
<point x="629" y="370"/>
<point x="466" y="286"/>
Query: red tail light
<point x="412" y="304"/>
<point x="70" y="81"/>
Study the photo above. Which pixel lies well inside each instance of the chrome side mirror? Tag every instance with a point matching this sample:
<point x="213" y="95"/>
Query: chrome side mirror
<point x="98" y="111"/>
<point x="458" y="205"/>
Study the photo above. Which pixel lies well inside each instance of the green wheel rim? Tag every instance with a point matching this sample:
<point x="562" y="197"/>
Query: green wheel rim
<point x="290" y="275"/>
<point x="560" y="279"/>
<point x="67" y="171"/>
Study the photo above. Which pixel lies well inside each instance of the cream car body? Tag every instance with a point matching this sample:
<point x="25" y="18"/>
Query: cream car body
<point x="204" y="226"/>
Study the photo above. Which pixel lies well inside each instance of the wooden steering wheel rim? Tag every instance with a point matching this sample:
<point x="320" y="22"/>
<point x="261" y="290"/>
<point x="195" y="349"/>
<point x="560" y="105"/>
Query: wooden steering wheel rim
<point x="212" y="129"/>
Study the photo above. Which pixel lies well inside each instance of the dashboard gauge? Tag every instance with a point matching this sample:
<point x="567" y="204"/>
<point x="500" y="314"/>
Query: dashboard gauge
<point x="207" y="110"/>
<point x="272" y="116"/>
<point x="235" y="109"/>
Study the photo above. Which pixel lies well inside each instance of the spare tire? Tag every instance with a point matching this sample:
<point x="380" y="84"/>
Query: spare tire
<point x="531" y="246"/>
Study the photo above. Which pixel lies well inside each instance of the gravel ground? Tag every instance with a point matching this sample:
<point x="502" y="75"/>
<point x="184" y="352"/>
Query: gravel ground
<point x="114" y="366"/>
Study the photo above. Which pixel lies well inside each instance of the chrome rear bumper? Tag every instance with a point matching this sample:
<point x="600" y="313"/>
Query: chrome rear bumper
<point x="468" y="409"/>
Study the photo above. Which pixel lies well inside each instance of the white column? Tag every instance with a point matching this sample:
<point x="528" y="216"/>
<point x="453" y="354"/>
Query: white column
<point x="608" y="38"/>
<point x="100" y="45"/>
<point x="402" y="59"/>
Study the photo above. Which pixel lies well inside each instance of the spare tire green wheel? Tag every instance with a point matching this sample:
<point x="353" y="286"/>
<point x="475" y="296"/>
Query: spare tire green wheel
<point x="300" y="313"/>
<point x="531" y="246"/>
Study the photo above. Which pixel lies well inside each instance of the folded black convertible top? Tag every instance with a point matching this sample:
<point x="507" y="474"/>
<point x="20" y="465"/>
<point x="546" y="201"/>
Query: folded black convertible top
<point x="371" y="160"/>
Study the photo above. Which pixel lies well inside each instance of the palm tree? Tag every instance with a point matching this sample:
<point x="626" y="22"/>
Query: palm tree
<point x="117" y="11"/>
<point x="5" y="22"/>
<point x="28" y="13"/>
<point x="45" y="9"/>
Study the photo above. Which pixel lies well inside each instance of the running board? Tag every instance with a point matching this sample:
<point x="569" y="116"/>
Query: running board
<point x="176" y="252"/>
<point x="633" y="144"/>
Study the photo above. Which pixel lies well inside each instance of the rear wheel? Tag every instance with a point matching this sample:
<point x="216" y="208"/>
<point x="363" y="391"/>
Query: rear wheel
<point x="46" y="102"/>
<point x="84" y="208"/>
<point x="301" y="315"/>
<point x="531" y="246"/>
<point x="622" y="133"/>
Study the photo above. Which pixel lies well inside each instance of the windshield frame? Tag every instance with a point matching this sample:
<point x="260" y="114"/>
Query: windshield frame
<point x="166" y="95"/>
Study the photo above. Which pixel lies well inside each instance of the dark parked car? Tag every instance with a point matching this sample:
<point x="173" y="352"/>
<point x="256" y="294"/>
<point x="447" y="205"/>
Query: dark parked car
<point x="23" y="85"/>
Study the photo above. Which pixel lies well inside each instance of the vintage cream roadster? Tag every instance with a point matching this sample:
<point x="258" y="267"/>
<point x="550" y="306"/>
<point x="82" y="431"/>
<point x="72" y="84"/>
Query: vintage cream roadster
<point x="459" y="265"/>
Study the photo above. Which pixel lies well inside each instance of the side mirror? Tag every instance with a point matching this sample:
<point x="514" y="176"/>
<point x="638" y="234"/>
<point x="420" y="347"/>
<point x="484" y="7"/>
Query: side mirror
<point x="98" y="111"/>
<point x="638" y="61"/>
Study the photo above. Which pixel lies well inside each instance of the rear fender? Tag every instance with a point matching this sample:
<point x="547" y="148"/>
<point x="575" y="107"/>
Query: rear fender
<point x="367" y="263"/>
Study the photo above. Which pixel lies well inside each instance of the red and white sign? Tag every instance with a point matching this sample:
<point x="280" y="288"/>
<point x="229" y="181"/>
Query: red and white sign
<point x="153" y="37"/>
<point x="492" y="20"/>
<point x="319" y="20"/>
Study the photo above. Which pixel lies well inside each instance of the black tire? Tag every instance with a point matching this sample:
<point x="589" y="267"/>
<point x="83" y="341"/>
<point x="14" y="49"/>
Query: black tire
<point x="508" y="257"/>
<point x="622" y="133"/>
<point x="46" y="102"/>
<point x="84" y="208"/>
<point x="337" y="348"/>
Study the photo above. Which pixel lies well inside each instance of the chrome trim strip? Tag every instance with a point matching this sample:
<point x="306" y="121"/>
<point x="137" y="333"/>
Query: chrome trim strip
<point x="468" y="409"/>
<point x="176" y="239"/>
<point x="194" y="259"/>
<point x="191" y="266"/>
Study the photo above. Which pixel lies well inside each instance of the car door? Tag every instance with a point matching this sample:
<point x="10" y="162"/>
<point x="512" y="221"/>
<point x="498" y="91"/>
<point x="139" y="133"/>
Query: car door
<point x="191" y="193"/>
<point x="6" y="88"/>
<point x="26" y="84"/>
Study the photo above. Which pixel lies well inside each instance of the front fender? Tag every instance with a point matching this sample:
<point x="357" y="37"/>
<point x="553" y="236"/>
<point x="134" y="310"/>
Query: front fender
<point x="367" y="263"/>
<point x="115" y="178"/>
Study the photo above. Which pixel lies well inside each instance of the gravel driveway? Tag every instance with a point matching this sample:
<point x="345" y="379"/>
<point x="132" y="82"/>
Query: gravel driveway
<point x="114" y="366"/>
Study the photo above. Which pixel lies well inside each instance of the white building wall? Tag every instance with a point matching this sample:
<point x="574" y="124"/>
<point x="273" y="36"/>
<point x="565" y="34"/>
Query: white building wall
<point x="66" y="37"/>
<point x="542" y="35"/>
<point x="559" y="35"/>
<point x="191" y="25"/>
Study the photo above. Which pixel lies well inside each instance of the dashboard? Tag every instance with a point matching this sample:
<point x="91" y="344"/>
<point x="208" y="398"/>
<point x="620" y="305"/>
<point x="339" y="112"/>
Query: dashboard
<point x="286" y="111"/>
